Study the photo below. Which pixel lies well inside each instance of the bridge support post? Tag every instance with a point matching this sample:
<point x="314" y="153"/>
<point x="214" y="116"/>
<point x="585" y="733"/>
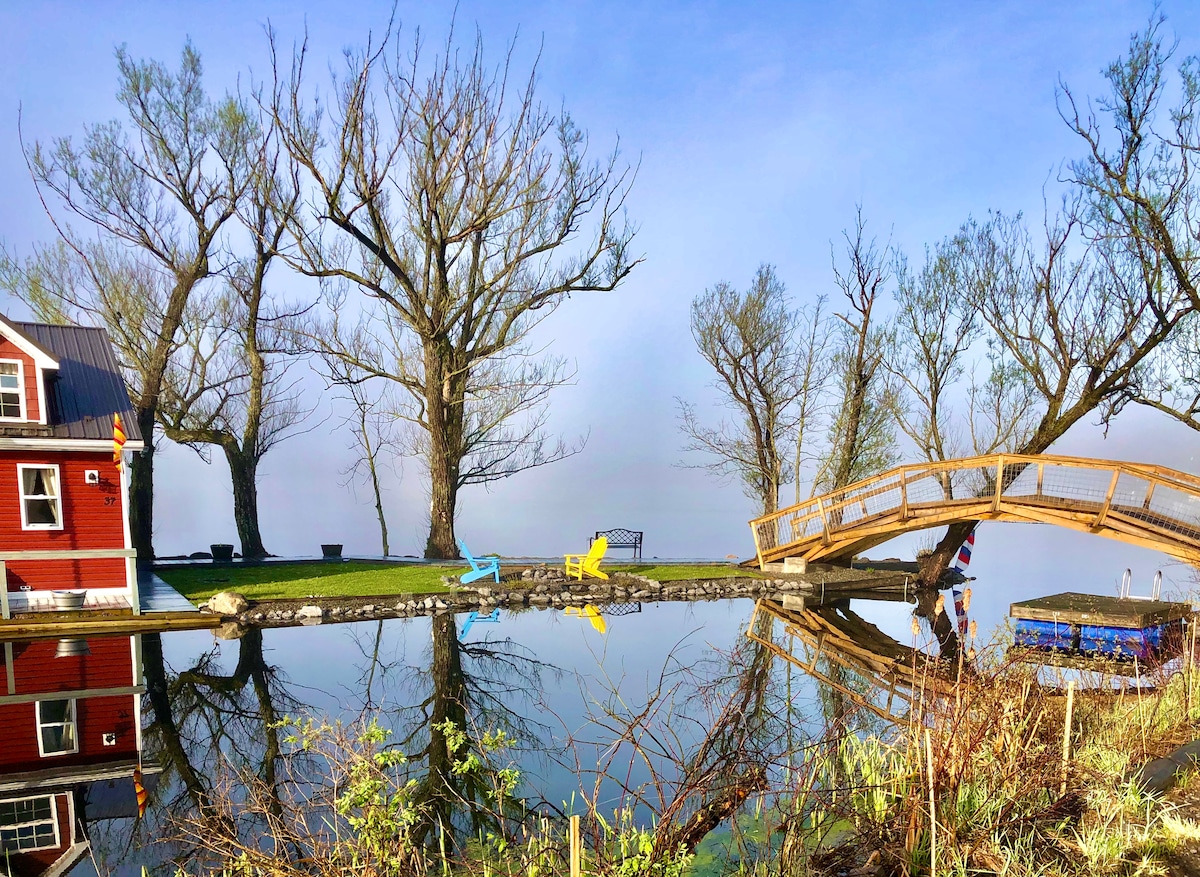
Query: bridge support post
<point x="999" y="483"/>
<point x="1108" y="498"/>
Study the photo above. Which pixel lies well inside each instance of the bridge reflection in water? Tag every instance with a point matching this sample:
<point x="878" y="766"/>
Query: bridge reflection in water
<point x="1141" y="504"/>
<point x="831" y="635"/>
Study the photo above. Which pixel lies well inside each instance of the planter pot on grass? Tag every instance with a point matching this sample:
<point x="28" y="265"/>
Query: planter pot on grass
<point x="221" y="553"/>
<point x="331" y="552"/>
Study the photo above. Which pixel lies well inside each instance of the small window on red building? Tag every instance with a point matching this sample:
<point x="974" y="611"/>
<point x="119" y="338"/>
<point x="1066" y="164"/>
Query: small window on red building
<point x="12" y="399"/>
<point x="28" y="824"/>
<point x="41" y="506"/>
<point x="56" y="727"/>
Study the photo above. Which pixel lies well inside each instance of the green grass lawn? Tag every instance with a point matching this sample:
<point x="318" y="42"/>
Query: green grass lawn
<point x="679" y="572"/>
<point x="274" y="581"/>
<point x="281" y="581"/>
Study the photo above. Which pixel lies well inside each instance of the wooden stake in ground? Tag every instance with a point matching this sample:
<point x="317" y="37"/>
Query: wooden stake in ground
<point x="1066" y="756"/>
<point x="576" y="848"/>
<point x="932" y="809"/>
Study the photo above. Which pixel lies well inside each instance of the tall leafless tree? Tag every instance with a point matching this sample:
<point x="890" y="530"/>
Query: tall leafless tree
<point x="229" y="387"/>
<point x="1078" y="320"/>
<point x="372" y="428"/>
<point x="862" y="437"/>
<point x="770" y="372"/>
<point x="453" y="200"/>
<point x="1137" y="175"/>
<point x="154" y="200"/>
<point x="942" y="408"/>
<point x="1139" y="185"/>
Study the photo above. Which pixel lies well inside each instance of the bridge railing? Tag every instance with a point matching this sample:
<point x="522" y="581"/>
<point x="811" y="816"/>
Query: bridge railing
<point x="1120" y="494"/>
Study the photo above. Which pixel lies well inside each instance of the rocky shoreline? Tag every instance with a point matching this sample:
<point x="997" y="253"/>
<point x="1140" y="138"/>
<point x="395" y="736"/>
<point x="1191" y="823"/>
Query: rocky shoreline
<point x="534" y="589"/>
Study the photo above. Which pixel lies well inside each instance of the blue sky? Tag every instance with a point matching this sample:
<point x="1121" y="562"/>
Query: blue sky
<point x="757" y="130"/>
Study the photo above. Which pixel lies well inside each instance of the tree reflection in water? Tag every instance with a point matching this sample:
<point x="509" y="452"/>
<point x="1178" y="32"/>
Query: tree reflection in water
<point x="228" y="771"/>
<point x="712" y="736"/>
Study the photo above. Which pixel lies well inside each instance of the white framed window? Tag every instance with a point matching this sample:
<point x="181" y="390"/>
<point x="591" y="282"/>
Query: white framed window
<point x="12" y="390"/>
<point x="41" y="502"/>
<point x="56" y="727"/>
<point x="29" y="824"/>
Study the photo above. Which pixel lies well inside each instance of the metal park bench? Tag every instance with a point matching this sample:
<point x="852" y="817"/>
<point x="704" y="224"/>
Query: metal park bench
<point x="622" y="538"/>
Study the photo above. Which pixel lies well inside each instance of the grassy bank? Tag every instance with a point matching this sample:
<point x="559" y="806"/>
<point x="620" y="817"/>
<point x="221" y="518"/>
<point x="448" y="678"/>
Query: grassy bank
<point x="282" y="581"/>
<point x="289" y="581"/>
<point x="988" y="767"/>
<point x="682" y="573"/>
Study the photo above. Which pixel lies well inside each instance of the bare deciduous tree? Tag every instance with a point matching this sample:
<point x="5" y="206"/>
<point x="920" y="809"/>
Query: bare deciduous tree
<point x="1078" y="321"/>
<point x="156" y="197"/>
<point x="770" y="372"/>
<point x="1141" y="192"/>
<point x="373" y="435"/>
<point x="228" y="387"/>
<point x="862" y="438"/>
<point x="452" y="199"/>
<point x="937" y="328"/>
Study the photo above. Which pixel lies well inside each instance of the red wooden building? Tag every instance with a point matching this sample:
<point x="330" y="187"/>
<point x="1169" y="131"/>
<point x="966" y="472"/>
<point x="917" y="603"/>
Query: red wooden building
<point x="71" y="720"/>
<point x="63" y="502"/>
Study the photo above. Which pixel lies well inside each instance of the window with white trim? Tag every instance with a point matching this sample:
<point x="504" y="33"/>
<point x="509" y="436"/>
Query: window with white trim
<point x="41" y="505"/>
<point x="12" y="390"/>
<point x="28" y="824"/>
<point x="56" y="727"/>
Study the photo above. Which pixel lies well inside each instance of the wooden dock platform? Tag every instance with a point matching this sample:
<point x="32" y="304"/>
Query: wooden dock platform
<point x="39" y="625"/>
<point x="1102" y="611"/>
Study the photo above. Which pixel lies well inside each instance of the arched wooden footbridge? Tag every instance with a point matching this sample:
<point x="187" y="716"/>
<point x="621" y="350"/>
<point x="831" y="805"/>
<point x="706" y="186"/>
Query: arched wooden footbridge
<point x="1145" y="505"/>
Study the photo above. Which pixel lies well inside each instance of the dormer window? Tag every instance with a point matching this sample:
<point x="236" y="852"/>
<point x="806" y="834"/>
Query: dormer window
<point x="12" y="394"/>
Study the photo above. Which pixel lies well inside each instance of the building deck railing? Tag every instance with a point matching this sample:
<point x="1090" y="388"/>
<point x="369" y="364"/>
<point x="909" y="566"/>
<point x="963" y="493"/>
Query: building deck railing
<point x="67" y="554"/>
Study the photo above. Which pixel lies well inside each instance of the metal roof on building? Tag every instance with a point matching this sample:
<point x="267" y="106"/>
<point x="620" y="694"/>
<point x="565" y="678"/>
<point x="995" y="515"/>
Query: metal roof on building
<point x="87" y="389"/>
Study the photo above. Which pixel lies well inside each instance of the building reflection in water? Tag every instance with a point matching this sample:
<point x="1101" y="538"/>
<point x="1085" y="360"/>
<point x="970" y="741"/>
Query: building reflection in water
<point x="70" y="740"/>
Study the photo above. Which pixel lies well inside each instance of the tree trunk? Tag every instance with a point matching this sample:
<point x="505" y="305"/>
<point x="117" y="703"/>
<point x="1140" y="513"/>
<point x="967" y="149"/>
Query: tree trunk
<point x="383" y="534"/>
<point x="439" y="797"/>
<point x="444" y="419"/>
<point x="933" y="565"/>
<point x="370" y="451"/>
<point x="243" y="470"/>
<point x="443" y="496"/>
<point x="141" y="490"/>
<point x="943" y="628"/>
<point x="770" y="499"/>
<point x="173" y="750"/>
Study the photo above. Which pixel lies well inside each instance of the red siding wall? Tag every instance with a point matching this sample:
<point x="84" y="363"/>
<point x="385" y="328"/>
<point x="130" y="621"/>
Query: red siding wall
<point x="94" y="717"/>
<point x="37" y="670"/>
<point x="92" y="518"/>
<point x="8" y="350"/>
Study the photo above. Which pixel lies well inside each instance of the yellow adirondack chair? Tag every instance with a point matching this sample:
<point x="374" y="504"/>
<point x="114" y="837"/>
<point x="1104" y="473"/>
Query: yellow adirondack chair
<point x="579" y="565"/>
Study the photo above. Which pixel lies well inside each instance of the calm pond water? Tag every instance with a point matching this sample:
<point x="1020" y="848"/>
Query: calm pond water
<point x="74" y="726"/>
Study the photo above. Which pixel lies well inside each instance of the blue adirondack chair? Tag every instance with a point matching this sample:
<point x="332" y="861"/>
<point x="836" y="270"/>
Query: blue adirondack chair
<point x="475" y="617"/>
<point x="481" y="567"/>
